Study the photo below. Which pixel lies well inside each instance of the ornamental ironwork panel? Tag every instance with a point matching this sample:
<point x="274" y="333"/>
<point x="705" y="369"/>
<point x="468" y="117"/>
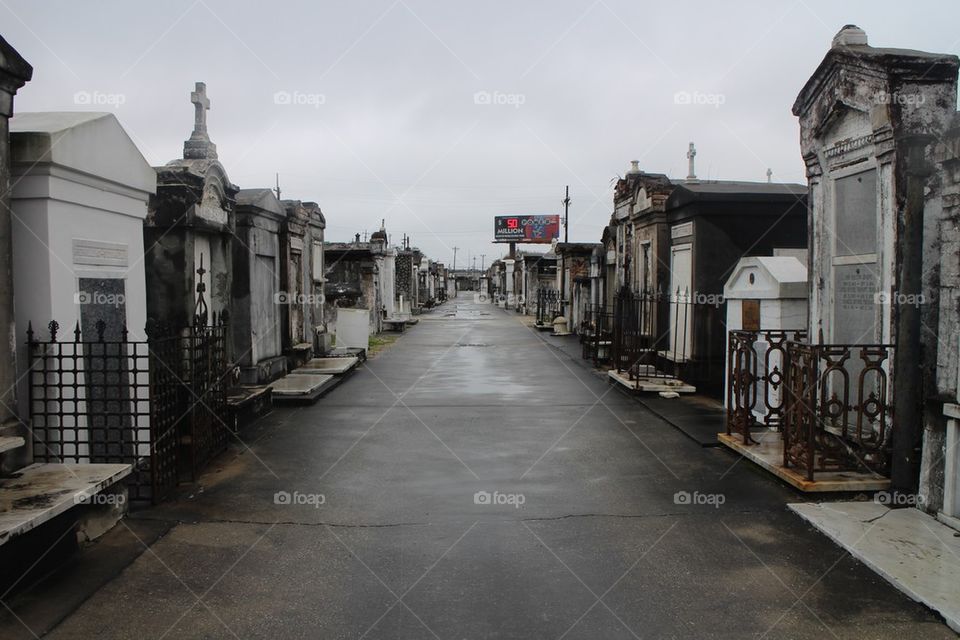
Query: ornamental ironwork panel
<point x="596" y="333"/>
<point x="756" y="379"/>
<point x="838" y="414"/>
<point x="635" y="336"/>
<point x="548" y="306"/>
<point x="158" y="404"/>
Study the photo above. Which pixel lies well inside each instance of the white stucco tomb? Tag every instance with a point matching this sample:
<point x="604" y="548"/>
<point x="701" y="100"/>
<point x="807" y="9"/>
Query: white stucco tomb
<point x="353" y="329"/>
<point x="79" y="198"/>
<point x="766" y="294"/>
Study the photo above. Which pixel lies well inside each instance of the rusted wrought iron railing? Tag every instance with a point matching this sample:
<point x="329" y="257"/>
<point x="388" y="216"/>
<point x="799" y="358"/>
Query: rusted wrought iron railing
<point x="756" y="377"/>
<point x="831" y="402"/>
<point x="838" y="412"/>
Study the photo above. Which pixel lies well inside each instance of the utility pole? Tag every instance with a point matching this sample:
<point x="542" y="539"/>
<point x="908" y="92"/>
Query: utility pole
<point x="482" y="256"/>
<point x="277" y="190"/>
<point x="563" y="255"/>
<point x="455" y="258"/>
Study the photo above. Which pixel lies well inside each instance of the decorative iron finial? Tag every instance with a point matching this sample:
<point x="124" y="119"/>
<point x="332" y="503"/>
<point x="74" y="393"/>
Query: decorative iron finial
<point x="101" y="327"/>
<point x="200" y="310"/>
<point x="53" y="326"/>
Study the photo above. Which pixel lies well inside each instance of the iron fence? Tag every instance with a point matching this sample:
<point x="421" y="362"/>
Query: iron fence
<point x="756" y="363"/>
<point x="157" y="404"/>
<point x="663" y="335"/>
<point x="548" y="306"/>
<point x="596" y="332"/>
<point x="837" y="413"/>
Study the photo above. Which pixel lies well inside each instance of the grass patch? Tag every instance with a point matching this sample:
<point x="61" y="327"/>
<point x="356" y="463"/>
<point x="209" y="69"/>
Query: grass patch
<point x="380" y="342"/>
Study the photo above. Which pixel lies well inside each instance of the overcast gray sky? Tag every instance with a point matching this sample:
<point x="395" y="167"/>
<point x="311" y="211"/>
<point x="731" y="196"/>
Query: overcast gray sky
<point x="372" y="108"/>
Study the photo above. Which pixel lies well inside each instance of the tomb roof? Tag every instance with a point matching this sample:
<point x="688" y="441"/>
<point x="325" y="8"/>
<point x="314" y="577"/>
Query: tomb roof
<point x="64" y="138"/>
<point x="14" y="65"/>
<point x="758" y="277"/>
<point x="733" y="191"/>
<point x="264" y="199"/>
<point x="576" y="247"/>
<point x="854" y="53"/>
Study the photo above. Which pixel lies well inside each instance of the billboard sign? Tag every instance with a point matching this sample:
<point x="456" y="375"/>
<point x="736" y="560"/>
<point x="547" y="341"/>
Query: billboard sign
<point x="532" y="229"/>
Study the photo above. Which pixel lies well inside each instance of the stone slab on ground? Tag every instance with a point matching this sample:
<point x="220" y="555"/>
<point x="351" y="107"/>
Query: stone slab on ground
<point x="347" y="352"/>
<point x="40" y="492"/>
<point x="331" y="366"/>
<point x="301" y="388"/>
<point x="768" y="454"/>
<point x="651" y="384"/>
<point x="394" y="325"/>
<point x="910" y="549"/>
<point x="246" y="404"/>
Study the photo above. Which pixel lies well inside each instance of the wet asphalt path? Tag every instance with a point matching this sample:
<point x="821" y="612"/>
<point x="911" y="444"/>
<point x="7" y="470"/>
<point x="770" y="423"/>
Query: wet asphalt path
<point x="478" y="483"/>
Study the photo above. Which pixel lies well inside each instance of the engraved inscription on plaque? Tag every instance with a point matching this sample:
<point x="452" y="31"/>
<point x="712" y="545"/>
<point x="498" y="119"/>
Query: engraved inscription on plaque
<point x="99" y="253"/>
<point x="855" y="307"/>
<point x="681" y="230"/>
<point x="750" y="315"/>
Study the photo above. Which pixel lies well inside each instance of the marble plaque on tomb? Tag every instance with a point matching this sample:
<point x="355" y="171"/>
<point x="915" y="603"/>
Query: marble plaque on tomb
<point x="854" y="304"/>
<point x="750" y="315"/>
<point x="98" y="253"/>
<point x="856" y="214"/>
<point x="107" y="392"/>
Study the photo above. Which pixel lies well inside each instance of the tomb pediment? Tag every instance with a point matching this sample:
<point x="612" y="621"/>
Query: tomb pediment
<point x="64" y="138"/>
<point x="199" y="188"/>
<point x="261" y="202"/>
<point x="910" y="92"/>
<point x="766" y="278"/>
<point x="843" y="121"/>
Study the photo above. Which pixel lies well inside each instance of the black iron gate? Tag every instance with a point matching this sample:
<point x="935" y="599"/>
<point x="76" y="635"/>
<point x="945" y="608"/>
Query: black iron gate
<point x="157" y="404"/>
<point x="548" y="306"/>
<point x="638" y="334"/>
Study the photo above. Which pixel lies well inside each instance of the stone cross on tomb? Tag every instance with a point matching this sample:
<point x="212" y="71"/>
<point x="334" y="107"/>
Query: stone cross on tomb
<point x="691" y="154"/>
<point x="202" y="104"/>
<point x="199" y="147"/>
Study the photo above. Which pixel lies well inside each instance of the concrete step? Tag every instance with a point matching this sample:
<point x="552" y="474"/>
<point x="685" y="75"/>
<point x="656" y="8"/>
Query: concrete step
<point x="40" y="492"/>
<point x="909" y="548"/>
<point x="9" y="443"/>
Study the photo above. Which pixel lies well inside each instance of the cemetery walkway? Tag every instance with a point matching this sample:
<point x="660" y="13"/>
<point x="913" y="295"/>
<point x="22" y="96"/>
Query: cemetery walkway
<point x="473" y="481"/>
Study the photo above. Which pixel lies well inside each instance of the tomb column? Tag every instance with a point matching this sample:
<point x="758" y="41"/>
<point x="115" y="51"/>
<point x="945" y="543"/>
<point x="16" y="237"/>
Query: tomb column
<point x="508" y="283"/>
<point x="908" y="436"/>
<point x="14" y="73"/>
